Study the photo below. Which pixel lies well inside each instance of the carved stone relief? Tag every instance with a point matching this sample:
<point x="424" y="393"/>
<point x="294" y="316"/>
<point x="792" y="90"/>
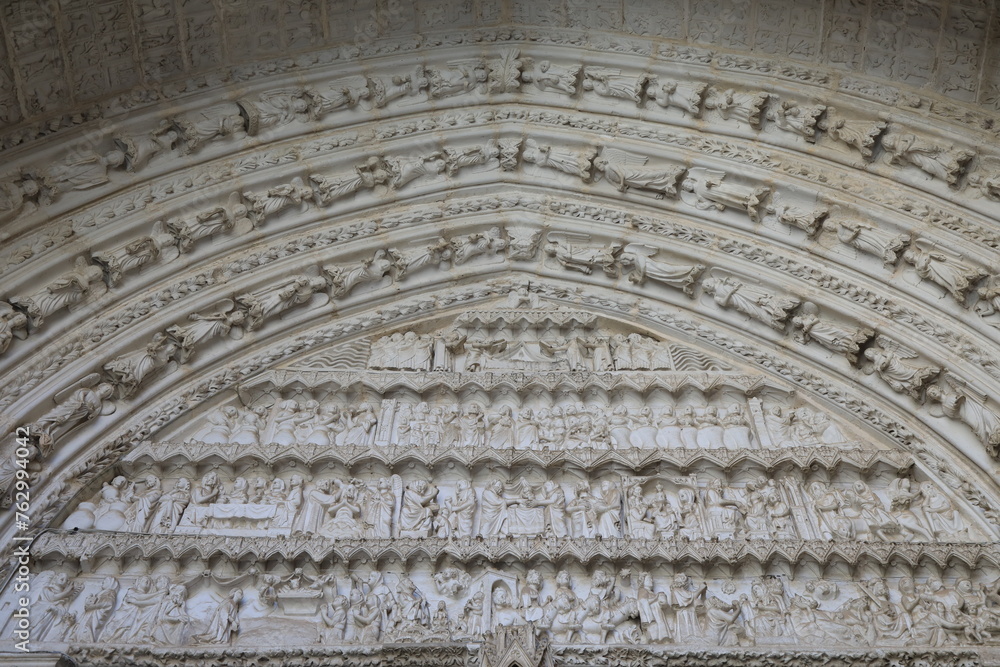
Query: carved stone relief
<point x="523" y="483"/>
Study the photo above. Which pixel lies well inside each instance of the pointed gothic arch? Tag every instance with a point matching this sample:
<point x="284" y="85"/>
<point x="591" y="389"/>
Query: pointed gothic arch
<point x="807" y="254"/>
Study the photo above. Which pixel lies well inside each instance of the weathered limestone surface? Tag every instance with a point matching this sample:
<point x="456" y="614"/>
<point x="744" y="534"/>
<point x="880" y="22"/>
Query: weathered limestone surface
<point x="517" y="333"/>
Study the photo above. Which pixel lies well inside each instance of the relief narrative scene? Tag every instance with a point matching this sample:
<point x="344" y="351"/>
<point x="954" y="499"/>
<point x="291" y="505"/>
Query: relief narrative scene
<point x="500" y="333"/>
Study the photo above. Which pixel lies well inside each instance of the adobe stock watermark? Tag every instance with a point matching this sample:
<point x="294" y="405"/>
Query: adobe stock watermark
<point x="21" y="617"/>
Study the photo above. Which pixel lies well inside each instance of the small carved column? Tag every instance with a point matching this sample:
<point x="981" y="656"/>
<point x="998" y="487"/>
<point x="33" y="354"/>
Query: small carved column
<point x="757" y="412"/>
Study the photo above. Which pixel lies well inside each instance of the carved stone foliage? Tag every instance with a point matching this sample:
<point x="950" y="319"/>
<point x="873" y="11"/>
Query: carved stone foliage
<point x="437" y="477"/>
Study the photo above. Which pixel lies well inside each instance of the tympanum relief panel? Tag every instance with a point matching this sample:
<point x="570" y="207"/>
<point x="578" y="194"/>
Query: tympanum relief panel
<point x="636" y="482"/>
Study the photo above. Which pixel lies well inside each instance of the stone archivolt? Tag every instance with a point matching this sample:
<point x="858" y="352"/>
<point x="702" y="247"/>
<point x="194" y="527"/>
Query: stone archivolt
<point x="710" y="388"/>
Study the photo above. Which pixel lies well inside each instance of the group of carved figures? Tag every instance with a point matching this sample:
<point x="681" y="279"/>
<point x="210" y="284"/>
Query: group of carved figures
<point x="440" y="352"/>
<point x="792" y="509"/>
<point x="25" y="191"/>
<point x="887" y="359"/>
<point x="570" y="426"/>
<point x="681" y="507"/>
<point x="700" y="187"/>
<point x="152" y="611"/>
<point x="624" y="608"/>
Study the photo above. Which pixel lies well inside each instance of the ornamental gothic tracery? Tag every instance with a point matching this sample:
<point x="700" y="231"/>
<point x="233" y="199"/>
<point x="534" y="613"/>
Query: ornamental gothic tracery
<point x="500" y="333"/>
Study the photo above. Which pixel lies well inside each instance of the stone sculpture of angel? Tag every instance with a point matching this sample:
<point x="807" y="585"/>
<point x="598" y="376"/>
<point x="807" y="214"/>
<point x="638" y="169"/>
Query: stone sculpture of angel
<point x="842" y="340"/>
<point x="943" y="268"/>
<point x="888" y="360"/>
<point x="751" y="300"/>
<point x="636" y="260"/>
<point x="625" y="170"/>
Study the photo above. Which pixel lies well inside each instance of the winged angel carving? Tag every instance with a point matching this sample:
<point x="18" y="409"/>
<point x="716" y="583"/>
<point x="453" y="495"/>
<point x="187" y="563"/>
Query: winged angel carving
<point x="888" y="359"/>
<point x="959" y="400"/>
<point x="637" y="259"/>
<point x="705" y="189"/>
<point x="932" y="263"/>
<point x="751" y="300"/>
